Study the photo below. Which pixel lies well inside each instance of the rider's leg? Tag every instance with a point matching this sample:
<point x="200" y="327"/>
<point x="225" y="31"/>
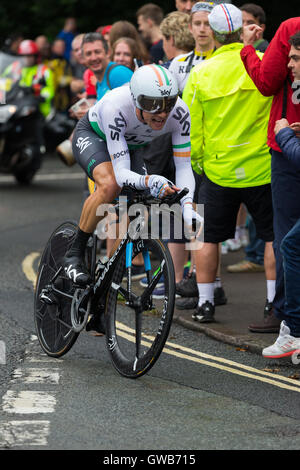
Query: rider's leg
<point x="106" y="191"/>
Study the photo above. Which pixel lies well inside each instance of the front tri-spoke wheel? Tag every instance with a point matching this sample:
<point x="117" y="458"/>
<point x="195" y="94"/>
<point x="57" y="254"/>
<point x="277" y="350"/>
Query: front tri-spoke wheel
<point x="137" y="327"/>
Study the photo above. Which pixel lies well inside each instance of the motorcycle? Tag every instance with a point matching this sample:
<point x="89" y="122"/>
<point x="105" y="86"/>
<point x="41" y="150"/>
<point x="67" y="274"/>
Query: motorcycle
<point x="20" y="151"/>
<point x="24" y="133"/>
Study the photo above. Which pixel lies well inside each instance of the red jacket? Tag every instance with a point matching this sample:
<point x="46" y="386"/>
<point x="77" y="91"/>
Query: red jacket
<point x="270" y="73"/>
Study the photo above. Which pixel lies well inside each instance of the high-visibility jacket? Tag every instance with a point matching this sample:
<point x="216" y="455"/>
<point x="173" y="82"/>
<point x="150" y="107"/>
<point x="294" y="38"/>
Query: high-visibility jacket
<point x="32" y="77"/>
<point x="229" y="120"/>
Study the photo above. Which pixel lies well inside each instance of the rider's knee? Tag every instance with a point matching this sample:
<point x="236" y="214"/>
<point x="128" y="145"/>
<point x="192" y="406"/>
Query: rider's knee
<point x="108" y="188"/>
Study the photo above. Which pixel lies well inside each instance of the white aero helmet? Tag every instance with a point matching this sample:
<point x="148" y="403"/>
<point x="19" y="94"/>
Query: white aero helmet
<point x="154" y="89"/>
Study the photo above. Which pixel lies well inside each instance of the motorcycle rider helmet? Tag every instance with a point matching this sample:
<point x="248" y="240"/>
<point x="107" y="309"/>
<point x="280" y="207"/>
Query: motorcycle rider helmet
<point x="154" y="89"/>
<point x="28" y="47"/>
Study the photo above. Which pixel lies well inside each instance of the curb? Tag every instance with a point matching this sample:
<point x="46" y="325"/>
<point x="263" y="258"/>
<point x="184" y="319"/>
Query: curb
<point x="243" y="342"/>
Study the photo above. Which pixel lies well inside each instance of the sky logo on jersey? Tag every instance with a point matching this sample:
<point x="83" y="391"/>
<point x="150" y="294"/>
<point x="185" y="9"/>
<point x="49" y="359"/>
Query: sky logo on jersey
<point x="120" y="122"/>
<point x="83" y="144"/>
<point x="183" y="117"/>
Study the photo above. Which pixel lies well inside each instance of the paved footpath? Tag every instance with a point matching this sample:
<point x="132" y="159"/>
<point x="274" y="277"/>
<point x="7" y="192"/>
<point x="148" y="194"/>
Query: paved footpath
<point x="246" y="294"/>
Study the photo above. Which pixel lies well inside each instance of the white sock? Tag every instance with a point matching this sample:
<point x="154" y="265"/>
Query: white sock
<point x="240" y="231"/>
<point x="206" y="292"/>
<point x="218" y="282"/>
<point x="270" y="290"/>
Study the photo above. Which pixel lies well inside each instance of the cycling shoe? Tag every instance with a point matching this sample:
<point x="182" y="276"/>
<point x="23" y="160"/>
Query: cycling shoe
<point x="76" y="271"/>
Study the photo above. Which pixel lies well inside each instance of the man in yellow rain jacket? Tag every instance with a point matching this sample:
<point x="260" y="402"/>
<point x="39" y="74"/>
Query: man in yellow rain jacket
<point x="229" y="119"/>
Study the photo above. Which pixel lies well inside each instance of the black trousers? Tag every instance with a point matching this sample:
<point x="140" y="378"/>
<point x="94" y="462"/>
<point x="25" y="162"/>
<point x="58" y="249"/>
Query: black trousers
<point x="285" y="183"/>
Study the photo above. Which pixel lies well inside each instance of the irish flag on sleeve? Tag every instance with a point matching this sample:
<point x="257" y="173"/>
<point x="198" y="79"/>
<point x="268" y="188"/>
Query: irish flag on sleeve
<point x="182" y="150"/>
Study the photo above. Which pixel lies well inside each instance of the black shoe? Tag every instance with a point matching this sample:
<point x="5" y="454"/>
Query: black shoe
<point x="188" y="286"/>
<point x="96" y="323"/>
<point x="270" y="322"/>
<point x="189" y="303"/>
<point x="219" y="296"/>
<point x="76" y="271"/>
<point x="205" y="313"/>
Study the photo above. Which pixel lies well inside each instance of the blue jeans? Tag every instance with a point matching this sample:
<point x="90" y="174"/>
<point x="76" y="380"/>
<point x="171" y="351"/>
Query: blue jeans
<point x="290" y="250"/>
<point x="285" y="183"/>
<point x="255" y="250"/>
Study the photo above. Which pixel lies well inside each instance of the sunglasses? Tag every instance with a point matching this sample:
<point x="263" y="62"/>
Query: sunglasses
<point x="157" y="105"/>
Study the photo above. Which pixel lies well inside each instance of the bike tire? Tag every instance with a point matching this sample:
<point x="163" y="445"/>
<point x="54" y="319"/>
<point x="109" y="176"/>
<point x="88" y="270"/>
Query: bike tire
<point x="53" y="322"/>
<point x="121" y="320"/>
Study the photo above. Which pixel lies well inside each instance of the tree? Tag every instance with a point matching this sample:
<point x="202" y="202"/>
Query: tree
<point x="36" y="17"/>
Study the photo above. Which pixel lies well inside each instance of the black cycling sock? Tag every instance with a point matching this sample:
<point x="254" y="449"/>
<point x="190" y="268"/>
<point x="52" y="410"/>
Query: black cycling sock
<point x="79" y="244"/>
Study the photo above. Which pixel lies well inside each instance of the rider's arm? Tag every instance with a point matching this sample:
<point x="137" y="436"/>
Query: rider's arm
<point x="182" y="149"/>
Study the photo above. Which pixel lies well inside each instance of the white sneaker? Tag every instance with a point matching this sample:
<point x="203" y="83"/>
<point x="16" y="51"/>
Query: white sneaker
<point x="233" y="244"/>
<point x="285" y="345"/>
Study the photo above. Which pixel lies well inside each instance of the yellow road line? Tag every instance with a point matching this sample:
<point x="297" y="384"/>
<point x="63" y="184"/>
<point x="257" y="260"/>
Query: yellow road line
<point x="27" y="266"/>
<point x="268" y="375"/>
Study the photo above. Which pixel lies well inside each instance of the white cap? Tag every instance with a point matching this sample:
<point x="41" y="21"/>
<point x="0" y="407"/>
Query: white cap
<point x="225" y="18"/>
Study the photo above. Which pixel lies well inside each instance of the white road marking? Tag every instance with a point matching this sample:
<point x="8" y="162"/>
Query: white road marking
<point x="28" y="402"/>
<point x="36" y="375"/>
<point x="46" y="177"/>
<point x="24" y="433"/>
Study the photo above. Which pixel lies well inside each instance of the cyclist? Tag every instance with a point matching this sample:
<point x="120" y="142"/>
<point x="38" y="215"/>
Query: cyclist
<point x="125" y="118"/>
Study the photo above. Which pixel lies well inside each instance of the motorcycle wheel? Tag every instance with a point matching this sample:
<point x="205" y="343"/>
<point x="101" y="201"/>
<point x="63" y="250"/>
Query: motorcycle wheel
<point x="24" y="174"/>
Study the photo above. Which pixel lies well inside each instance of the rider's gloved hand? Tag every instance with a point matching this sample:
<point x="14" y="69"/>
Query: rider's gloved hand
<point x="158" y="185"/>
<point x="190" y="215"/>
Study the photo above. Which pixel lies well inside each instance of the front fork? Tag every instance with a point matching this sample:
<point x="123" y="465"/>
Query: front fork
<point x="147" y="263"/>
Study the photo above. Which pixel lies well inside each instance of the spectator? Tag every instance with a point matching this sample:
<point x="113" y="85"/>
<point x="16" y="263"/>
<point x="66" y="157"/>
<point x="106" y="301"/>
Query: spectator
<point x="12" y="43"/>
<point x="67" y="34"/>
<point x="77" y="65"/>
<point x="184" y="5"/>
<point x="62" y="75"/>
<point x="121" y="29"/>
<point x="95" y="54"/>
<point x="229" y="119"/>
<point x="272" y="77"/>
<point x="204" y="43"/>
<point x="254" y="14"/>
<point x="149" y="17"/>
<point x="286" y="137"/>
<point x="177" y="38"/>
<point x="254" y="259"/>
<point x="105" y="32"/>
<point x="124" y="50"/>
<point x="181" y="66"/>
<point x="44" y="48"/>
